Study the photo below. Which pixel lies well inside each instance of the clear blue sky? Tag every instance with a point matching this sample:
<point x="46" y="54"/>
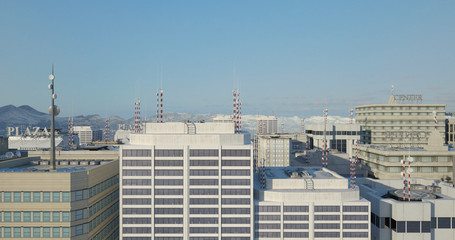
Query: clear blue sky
<point x="291" y="57"/>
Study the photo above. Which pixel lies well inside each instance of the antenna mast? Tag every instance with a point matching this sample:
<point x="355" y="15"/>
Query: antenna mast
<point x="324" y="151"/>
<point x="137" y="116"/>
<point x="107" y="131"/>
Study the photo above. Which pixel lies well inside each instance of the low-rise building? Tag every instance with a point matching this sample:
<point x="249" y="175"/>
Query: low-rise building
<point x="430" y="215"/>
<point x="85" y="134"/>
<point x="308" y="203"/>
<point x="79" y="200"/>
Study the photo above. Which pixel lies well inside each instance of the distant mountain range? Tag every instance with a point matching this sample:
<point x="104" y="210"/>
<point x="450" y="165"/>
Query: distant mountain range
<point x="26" y="116"/>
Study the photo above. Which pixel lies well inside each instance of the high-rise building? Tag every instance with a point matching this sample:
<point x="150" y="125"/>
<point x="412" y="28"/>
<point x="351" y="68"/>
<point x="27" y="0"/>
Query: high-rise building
<point x="84" y="133"/>
<point x="187" y="181"/>
<point x="79" y="200"/>
<point x="266" y="125"/>
<point x="274" y="150"/>
<point x="451" y="131"/>
<point x="398" y="124"/>
<point x="308" y="203"/>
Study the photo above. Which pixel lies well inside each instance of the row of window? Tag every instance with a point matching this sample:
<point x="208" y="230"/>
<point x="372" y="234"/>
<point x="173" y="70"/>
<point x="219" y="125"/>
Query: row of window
<point x="35" y="196"/>
<point x="103" y="216"/>
<point x="35" y="232"/>
<point x="98" y="188"/>
<point x="34" y="216"/>
<point x="113" y="225"/>
<point x="413" y="226"/>
<point x="179" y="152"/>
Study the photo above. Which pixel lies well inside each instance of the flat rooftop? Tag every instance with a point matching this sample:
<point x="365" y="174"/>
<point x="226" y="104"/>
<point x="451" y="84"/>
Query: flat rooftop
<point x="33" y="164"/>
<point x="298" y="173"/>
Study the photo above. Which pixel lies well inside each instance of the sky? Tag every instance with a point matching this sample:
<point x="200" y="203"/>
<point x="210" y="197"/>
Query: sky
<point x="289" y="58"/>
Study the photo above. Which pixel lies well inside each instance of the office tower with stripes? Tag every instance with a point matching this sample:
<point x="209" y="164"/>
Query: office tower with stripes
<point x="185" y="180"/>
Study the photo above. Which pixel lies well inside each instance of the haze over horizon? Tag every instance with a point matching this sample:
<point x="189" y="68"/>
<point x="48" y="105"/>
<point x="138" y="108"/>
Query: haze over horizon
<point x="291" y="58"/>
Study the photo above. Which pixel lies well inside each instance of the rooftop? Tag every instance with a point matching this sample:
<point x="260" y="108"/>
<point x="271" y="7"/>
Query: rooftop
<point x="34" y="164"/>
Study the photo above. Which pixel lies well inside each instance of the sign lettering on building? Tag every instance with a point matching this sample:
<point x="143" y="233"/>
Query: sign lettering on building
<point x="409" y="98"/>
<point x="29" y="131"/>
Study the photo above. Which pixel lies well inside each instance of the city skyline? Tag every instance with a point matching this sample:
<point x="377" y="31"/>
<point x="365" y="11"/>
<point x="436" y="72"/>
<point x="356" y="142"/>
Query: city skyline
<point x="291" y="59"/>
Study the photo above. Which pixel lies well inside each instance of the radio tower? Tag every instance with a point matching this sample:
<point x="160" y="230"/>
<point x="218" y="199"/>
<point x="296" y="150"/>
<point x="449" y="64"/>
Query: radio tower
<point x="236" y="110"/>
<point x="403" y="174"/>
<point x="107" y="131"/>
<point x="137" y="116"/>
<point x="70" y="132"/>
<point x="351" y="115"/>
<point x="435" y="120"/>
<point x="159" y="106"/>
<point x="282" y="128"/>
<point x="302" y="126"/>
<point x="324" y="142"/>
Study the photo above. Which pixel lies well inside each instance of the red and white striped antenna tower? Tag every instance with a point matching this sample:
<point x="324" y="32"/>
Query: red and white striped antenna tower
<point x="409" y="171"/>
<point x="70" y="132"/>
<point x="435" y="120"/>
<point x="324" y="151"/>
<point x="240" y="113"/>
<point x="351" y="116"/>
<point x="137" y="116"/>
<point x="262" y="179"/>
<point x="352" y="172"/>
<point x="403" y="175"/>
<point x="107" y="131"/>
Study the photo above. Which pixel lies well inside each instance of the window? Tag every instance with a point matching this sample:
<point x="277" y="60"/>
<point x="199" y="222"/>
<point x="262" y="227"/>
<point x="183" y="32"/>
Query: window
<point x="17" y="232"/>
<point x="7" y="197"/>
<point x="55" y="197"/>
<point x="26" y="232"/>
<point x="46" y="196"/>
<point x="65" y="232"/>
<point x="56" y="232"/>
<point x="65" y="216"/>
<point x="6" y="232"/>
<point x="443" y="222"/>
<point x="46" y="232"/>
<point x="326" y="208"/>
<point x="36" y="216"/>
<point x="55" y="216"/>
<point x="46" y="216"/>
<point x="17" y="216"/>
<point x="413" y="226"/>
<point x="7" y="216"/>
<point x="79" y="195"/>
<point x="17" y="196"/>
<point x="27" y="196"/>
<point x="36" y="196"/>
<point x="65" y="197"/>
<point x="27" y="216"/>
<point x="79" y="214"/>
<point x="426" y="226"/>
<point x="36" y="232"/>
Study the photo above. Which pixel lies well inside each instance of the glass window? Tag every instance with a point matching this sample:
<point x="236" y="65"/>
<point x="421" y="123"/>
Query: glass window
<point x="46" y="216"/>
<point x="27" y="216"/>
<point x="27" y="196"/>
<point x="56" y="232"/>
<point x="36" y="216"/>
<point x="0" y="196"/>
<point x="65" y="197"/>
<point x="17" y="232"/>
<point x="7" y="232"/>
<point x="36" y="196"/>
<point x="65" y="232"/>
<point x="55" y="216"/>
<point x="36" y="232"/>
<point x="26" y="232"/>
<point x="7" y="216"/>
<point x="46" y="232"/>
<point x="17" y="196"/>
<point x="65" y="216"/>
<point x="17" y="216"/>
<point x="7" y="197"/>
<point x="46" y="196"/>
<point x="55" y="197"/>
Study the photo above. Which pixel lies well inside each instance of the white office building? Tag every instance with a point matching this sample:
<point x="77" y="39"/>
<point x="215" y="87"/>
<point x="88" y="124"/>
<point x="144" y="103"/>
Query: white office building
<point x="85" y="134"/>
<point x="430" y="215"/>
<point x="308" y="203"/>
<point x="187" y="181"/>
<point x="266" y="125"/>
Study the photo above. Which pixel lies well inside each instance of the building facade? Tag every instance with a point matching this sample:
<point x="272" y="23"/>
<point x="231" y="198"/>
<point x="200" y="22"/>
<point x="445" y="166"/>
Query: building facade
<point x="451" y="131"/>
<point x="77" y="201"/>
<point x="429" y="216"/>
<point x="308" y="203"/>
<point x="342" y="137"/>
<point x="398" y="124"/>
<point x="187" y="181"/>
<point x="266" y="125"/>
<point x="84" y="133"/>
<point x="274" y="150"/>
